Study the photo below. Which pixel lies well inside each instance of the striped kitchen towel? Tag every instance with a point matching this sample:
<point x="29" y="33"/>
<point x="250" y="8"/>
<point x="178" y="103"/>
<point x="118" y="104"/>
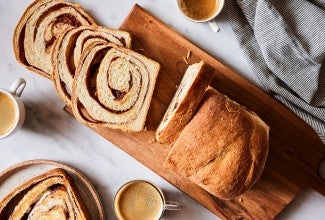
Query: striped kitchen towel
<point x="284" y="43"/>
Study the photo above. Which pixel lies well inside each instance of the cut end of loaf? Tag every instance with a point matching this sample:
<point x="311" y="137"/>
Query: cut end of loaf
<point x="189" y="93"/>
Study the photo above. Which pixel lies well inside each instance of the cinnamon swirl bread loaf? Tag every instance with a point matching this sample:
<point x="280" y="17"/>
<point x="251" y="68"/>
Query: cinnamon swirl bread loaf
<point x="113" y="88"/>
<point x="51" y="195"/>
<point x="223" y="148"/>
<point x="38" y="29"/>
<point x="69" y="47"/>
<point x="186" y="99"/>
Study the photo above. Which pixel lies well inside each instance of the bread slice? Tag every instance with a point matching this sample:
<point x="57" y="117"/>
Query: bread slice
<point x="51" y="195"/>
<point x="38" y="29"/>
<point x="113" y="88"/>
<point x="69" y="47"/>
<point x="223" y="148"/>
<point x="185" y="101"/>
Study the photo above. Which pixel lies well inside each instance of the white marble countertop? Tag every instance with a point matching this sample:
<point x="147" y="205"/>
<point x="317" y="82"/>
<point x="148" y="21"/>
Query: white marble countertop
<point x="50" y="133"/>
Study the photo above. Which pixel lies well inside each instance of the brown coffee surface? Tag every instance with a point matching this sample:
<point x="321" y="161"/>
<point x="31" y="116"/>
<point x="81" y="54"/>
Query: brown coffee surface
<point x="199" y="9"/>
<point x="7" y="113"/>
<point x="138" y="200"/>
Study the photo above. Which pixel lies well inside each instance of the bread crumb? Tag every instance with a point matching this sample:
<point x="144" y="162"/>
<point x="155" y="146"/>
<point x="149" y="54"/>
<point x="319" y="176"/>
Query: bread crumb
<point x="240" y="200"/>
<point x="145" y="24"/>
<point x="189" y="53"/>
<point x="185" y="60"/>
<point x="151" y="140"/>
<point x="188" y="56"/>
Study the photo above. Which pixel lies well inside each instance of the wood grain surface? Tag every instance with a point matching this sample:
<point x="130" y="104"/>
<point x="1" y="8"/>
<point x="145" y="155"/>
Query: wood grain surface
<point x="295" y="150"/>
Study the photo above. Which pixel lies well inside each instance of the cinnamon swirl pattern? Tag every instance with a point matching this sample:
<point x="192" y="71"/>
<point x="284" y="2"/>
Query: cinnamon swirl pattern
<point x="69" y="48"/>
<point x="38" y="29"/>
<point x="48" y="196"/>
<point x="93" y="68"/>
<point x="113" y="88"/>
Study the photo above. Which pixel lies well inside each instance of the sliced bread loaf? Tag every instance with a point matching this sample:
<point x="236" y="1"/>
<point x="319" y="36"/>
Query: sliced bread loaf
<point x="223" y="148"/>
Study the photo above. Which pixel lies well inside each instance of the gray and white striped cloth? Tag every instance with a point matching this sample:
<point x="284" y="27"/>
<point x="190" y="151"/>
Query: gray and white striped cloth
<point x="284" y="43"/>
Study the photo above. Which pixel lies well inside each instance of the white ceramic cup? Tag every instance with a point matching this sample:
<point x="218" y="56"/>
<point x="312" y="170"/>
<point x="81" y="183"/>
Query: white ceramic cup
<point x="163" y="204"/>
<point x="211" y="20"/>
<point x="14" y="94"/>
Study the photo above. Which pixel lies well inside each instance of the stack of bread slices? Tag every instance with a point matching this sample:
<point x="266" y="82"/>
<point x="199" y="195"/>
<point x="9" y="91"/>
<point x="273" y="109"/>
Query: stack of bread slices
<point x="93" y="68"/>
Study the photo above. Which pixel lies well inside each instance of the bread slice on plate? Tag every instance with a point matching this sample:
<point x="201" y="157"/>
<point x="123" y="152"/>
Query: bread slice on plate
<point x="51" y="195"/>
<point x="223" y="148"/>
<point x="38" y="29"/>
<point x="185" y="101"/>
<point x="69" y="48"/>
<point x="113" y="88"/>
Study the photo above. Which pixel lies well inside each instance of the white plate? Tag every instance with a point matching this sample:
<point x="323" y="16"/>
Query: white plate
<point x="17" y="174"/>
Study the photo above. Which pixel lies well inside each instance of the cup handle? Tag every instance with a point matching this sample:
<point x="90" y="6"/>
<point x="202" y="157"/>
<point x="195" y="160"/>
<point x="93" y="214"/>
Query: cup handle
<point x="214" y="26"/>
<point x="174" y="206"/>
<point x="18" y="87"/>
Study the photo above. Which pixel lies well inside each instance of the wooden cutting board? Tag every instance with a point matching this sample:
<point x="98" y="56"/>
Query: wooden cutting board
<point x="295" y="150"/>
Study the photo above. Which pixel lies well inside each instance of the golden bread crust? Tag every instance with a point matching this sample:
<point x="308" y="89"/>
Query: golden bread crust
<point x="223" y="148"/>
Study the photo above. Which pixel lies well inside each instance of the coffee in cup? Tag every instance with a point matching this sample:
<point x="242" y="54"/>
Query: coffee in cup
<point x="199" y="9"/>
<point x="12" y="109"/>
<point x="141" y="199"/>
<point x="202" y="11"/>
<point x="7" y="113"/>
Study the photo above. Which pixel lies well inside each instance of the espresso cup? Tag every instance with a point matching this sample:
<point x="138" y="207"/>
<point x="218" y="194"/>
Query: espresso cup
<point x="12" y="109"/>
<point x="140" y="199"/>
<point x="202" y="11"/>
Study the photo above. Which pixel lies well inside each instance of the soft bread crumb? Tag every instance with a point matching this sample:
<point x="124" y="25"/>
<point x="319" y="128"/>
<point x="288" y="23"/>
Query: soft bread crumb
<point x="188" y="56"/>
<point x="151" y="140"/>
<point x="185" y="60"/>
<point x="189" y="53"/>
